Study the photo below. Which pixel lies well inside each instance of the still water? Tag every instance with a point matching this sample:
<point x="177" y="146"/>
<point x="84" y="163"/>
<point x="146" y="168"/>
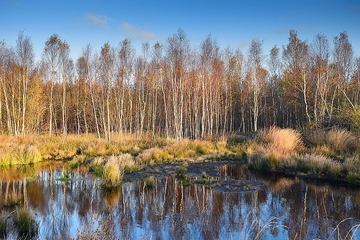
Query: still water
<point x="286" y="208"/>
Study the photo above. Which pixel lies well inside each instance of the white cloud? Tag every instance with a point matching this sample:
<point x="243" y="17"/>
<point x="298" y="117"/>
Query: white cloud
<point x="243" y="45"/>
<point x="137" y="33"/>
<point x="99" y="20"/>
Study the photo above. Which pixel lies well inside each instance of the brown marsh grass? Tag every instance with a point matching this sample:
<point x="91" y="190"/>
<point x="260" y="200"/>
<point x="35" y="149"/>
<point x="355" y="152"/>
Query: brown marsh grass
<point x="335" y="142"/>
<point x="274" y="147"/>
<point x="341" y="140"/>
<point x="331" y="154"/>
<point x="114" y="167"/>
<point x="154" y="155"/>
<point x="112" y="172"/>
<point x="33" y="148"/>
<point x="284" y="141"/>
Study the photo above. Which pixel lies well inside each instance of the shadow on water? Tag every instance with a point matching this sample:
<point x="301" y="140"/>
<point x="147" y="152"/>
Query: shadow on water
<point x="284" y="208"/>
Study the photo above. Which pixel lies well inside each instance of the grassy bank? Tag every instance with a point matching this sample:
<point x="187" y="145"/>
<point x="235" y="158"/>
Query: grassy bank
<point x="332" y="154"/>
<point x="109" y="160"/>
<point x="31" y="149"/>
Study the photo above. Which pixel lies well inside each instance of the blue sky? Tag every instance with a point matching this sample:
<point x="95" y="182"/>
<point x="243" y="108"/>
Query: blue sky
<point x="232" y="23"/>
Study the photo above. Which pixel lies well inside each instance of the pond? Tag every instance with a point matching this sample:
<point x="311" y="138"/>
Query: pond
<point x="269" y="207"/>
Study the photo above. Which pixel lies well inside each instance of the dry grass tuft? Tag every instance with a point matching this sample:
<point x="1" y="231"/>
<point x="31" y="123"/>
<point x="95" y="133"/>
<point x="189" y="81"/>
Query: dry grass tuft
<point x="32" y="154"/>
<point x="275" y="147"/>
<point x="334" y="142"/>
<point x="112" y="172"/>
<point x="153" y="155"/>
<point x="186" y="148"/>
<point x="341" y="140"/>
<point x="99" y="161"/>
<point x="114" y="168"/>
<point x="285" y="141"/>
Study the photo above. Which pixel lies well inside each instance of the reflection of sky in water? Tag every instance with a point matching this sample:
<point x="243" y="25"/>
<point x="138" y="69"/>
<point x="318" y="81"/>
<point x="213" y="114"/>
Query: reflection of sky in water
<point x="169" y="210"/>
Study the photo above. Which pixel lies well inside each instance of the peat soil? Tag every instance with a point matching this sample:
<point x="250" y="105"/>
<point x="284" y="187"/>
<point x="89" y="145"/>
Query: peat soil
<point x="203" y="173"/>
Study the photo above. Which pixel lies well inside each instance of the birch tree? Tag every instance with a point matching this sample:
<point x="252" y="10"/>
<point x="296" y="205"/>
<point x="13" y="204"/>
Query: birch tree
<point x="320" y="55"/>
<point x="66" y="73"/>
<point x="125" y="55"/>
<point x="255" y="58"/>
<point x="177" y="52"/>
<point x="106" y="71"/>
<point x="343" y="64"/>
<point x="275" y="71"/>
<point x="52" y="58"/>
<point x="296" y="60"/>
<point x="25" y="59"/>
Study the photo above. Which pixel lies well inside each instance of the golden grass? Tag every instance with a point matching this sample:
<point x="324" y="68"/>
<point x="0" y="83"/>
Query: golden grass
<point x="188" y="149"/>
<point x="14" y="154"/>
<point x="336" y="142"/>
<point x="114" y="167"/>
<point x="285" y="141"/>
<point x="112" y="172"/>
<point x="33" y="148"/>
<point x="341" y="140"/>
<point x="153" y="155"/>
<point x="185" y="149"/>
<point x="274" y="148"/>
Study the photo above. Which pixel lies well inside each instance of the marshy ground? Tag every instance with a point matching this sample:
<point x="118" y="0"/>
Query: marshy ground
<point x="208" y="174"/>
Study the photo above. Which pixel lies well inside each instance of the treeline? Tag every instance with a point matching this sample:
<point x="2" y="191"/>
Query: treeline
<point x="175" y="90"/>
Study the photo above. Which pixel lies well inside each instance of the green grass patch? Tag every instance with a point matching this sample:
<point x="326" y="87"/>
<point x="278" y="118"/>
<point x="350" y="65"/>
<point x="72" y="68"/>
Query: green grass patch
<point x="235" y="140"/>
<point x="3" y="228"/>
<point x="149" y="182"/>
<point x="12" y="202"/>
<point x="352" y="178"/>
<point x="201" y="181"/>
<point x="25" y="223"/>
<point x="185" y="182"/>
<point x="261" y="165"/>
<point x="131" y="169"/>
<point x="65" y="176"/>
<point x="180" y="171"/>
<point x="96" y="170"/>
<point x="74" y="165"/>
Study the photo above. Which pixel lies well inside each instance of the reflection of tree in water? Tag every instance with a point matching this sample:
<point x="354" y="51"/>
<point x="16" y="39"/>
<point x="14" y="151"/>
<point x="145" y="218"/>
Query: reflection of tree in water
<point x="314" y="211"/>
<point x="170" y="210"/>
<point x="184" y="212"/>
